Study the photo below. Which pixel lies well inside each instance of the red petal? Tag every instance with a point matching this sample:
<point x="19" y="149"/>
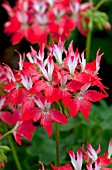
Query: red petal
<point x="85" y="107"/>
<point x="22" y="95"/>
<point x="31" y="36"/>
<point x="74" y="85"/>
<point x="83" y="77"/>
<point x="74" y="107"/>
<point x="52" y="94"/>
<point x="13" y="25"/>
<point x="33" y="113"/>
<point x="91" y="67"/>
<point x="38" y="86"/>
<point x="65" y="167"/>
<point x="47" y="124"/>
<point x="25" y="130"/>
<point x="57" y="116"/>
<point x="28" y="104"/>
<point x="17" y="37"/>
<point x="10" y="118"/>
<point x="94" y="96"/>
<point x="17" y="138"/>
<point x="66" y="97"/>
<point x="104" y="161"/>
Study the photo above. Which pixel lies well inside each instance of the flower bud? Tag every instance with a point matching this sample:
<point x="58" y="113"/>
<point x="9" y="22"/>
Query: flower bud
<point x="110" y="148"/>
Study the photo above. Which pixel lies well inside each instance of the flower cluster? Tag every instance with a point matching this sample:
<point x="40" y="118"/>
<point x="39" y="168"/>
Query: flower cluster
<point x="35" y="19"/>
<point x="89" y="157"/>
<point x="47" y="85"/>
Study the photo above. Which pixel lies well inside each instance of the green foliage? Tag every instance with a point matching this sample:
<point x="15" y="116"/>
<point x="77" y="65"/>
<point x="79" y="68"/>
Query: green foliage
<point x="3" y="158"/>
<point x="42" y="146"/>
<point x="74" y="134"/>
<point x="98" y="130"/>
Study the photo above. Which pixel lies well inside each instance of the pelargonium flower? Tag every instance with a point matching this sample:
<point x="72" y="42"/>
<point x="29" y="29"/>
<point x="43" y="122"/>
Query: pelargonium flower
<point x="89" y="157"/>
<point x="45" y="113"/>
<point x="90" y="153"/>
<point x="23" y="130"/>
<point x="77" y="163"/>
<point x="64" y="167"/>
<point x="46" y="83"/>
<point x="34" y="20"/>
<point x="25" y="19"/>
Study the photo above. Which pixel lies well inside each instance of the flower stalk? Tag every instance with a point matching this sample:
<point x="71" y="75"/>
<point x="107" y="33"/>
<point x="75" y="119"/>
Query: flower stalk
<point x="89" y="35"/>
<point x="10" y="141"/>
<point x="6" y="134"/>
<point x="57" y="144"/>
<point x="88" y="45"/>
<point x="100" y="4"/>
<point x="58" y="138"/>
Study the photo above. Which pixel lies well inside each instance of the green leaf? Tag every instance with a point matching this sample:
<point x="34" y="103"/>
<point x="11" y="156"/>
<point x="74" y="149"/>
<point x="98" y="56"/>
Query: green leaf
<point x="43" y="147"/>
<point x="5" y="148"/>
<point x="68" y="126"/>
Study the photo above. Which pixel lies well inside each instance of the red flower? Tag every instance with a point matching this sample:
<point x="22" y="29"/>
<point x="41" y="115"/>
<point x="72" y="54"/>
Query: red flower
<point x="89" y="157"/>
<point x="82" y="102"/>
<point x="64" y="167"/>
<point x="45" y="16"/>
<point x="90" y="153"/>
<point x="44" y="113"/>
<point x="9" y="118"/>
<point x="38" y="84"/>
<point x="23" y="130"/>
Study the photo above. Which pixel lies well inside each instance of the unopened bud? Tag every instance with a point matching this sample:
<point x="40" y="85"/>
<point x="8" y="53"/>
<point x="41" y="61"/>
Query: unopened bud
<point x="5" y="148"/>
<point x="107" y="26"/>
<point x="110" y="149"/>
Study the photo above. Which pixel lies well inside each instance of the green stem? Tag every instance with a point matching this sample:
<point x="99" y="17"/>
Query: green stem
<point x="88" y="45"/>
<point x="10" y="141"/>
<point x="89" y="34"/>
<point x="6" y="134"/>
<point x="100" y="4"/>
<point x="60" y="107"/>
<point x="57" y="144"/>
